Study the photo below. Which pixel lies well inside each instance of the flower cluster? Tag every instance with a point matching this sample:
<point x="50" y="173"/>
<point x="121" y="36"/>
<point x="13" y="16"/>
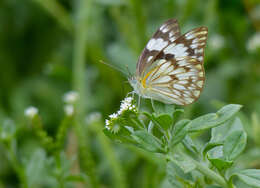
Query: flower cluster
<point x="127" y="105"/>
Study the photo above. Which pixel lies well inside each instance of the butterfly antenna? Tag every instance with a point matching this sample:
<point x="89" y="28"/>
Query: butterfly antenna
<point x="129" y="73"/>
<point x="113" y="67"/>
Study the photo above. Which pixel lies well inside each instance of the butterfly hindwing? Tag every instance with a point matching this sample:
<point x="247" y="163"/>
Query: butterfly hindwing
<point x="178" y="81"/>
<point x="166" y="34"/>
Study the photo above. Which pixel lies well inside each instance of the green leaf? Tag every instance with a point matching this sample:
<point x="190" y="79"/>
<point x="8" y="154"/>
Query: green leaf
<point x="176" y="114"/>
<point x="211" y="145"/>
<point x="215" y="156"/>
<point x="7" y="129"/>
<point x="165" y="120"/>
<point x="147" y="141"/>
<point x="176" y="175"/>
<point x="179" y="132"/>
<point x="183" y="162"/>
<point x="220" y="133"/>
<point x="250" y="176"/>
<point x="36" y="169"/>
<point x="228" y="112"/>
<point x="220" y="164"/>
<point x="153" y="119"/>
<point x="190" y="145"/>
<point x="214" y="119"/>
<point x="123" y="136"/>
<point x="234" y="145"/>
<point x="172" y="176"/>
<point x="161" y="108"/>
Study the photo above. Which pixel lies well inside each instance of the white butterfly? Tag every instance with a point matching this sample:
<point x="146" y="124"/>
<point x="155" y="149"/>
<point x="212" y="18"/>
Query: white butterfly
<point x="170" y="68"/>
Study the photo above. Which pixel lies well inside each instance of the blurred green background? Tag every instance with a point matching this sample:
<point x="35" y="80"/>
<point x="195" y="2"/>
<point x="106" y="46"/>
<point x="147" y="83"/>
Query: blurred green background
<point x="41" y="42"/>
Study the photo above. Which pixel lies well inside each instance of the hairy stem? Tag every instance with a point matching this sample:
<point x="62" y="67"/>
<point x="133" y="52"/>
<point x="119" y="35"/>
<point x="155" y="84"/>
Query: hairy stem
<point x="210" y="174"/>
<point x="206" y="171"/>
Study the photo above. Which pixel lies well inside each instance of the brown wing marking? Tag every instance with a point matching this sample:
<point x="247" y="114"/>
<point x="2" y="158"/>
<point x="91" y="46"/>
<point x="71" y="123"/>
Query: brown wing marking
<point x="167" y="32"/>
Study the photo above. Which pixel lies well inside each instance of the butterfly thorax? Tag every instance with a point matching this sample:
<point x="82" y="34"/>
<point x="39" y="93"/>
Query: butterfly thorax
<point x="138" y="86"/>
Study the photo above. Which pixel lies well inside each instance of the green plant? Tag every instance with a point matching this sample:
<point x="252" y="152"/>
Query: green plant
<point x="174" y="141"/>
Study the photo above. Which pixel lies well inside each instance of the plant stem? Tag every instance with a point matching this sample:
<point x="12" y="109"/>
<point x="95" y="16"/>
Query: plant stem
<point x="204" y="170"/>
<point x="17" y="167"/>
<point x="210" y="173"/>
<point x="118" y="173"/>
<point x="82" y="10"/>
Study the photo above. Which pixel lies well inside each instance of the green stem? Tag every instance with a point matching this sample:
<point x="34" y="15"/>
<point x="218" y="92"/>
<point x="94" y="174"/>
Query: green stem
<point x="82" y="10"/>
<point x="119" y="175"/>
<point x="135" y="122"/>
<point x="210" y="173"/>
<point x="206" y="171"/>
<point x="17" y="167"/>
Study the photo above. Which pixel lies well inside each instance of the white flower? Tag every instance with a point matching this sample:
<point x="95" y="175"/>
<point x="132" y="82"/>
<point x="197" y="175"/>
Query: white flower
<point x="107" y="127"/>
<point x="69" y="109"/>
<point x="254" y="42"/>
<point x="30" y="112"/>
<point x="110" y="123"/>
<point x="216" y="42"/>
<point x="126" y="104"/>
<point x="70" y="97"/>
<point x="107" y="122"/>
<point x="113" y="116"/>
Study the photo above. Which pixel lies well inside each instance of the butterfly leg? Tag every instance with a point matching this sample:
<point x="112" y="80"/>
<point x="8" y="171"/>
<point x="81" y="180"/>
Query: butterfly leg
<point x="139" y="101"/>
<point x="152" y="104"/>
<point x="129" y="93"/>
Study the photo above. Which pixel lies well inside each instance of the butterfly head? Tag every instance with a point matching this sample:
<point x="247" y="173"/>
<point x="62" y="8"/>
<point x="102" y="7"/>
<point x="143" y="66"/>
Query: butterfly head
<point x="135" y="83"/>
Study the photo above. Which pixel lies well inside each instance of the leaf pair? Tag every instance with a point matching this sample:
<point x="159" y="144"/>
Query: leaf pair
<point x="226" y="144"/>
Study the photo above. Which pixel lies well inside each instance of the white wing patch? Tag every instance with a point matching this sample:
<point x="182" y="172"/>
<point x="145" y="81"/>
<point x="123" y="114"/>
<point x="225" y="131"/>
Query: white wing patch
<point x="190" y="44"/>
<point x="178" y="50"/>
<point x="156" y="44"/>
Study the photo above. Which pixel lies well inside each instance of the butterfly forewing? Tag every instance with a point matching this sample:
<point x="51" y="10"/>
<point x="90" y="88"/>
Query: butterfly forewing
<point x="191" y="44"/>
<point x="178" y="81"/>
<point x="167" y="33"/>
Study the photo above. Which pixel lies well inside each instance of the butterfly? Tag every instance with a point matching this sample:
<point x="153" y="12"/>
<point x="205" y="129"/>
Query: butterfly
<point x="170" y="68"/>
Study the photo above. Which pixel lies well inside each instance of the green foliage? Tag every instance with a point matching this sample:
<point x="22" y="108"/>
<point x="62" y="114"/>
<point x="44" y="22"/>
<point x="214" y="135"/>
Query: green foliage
<point x="249" y="176"/>
<point x="228" y="140"/>
<point x="49" y="47"/>
<point x="214" y="119"/>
